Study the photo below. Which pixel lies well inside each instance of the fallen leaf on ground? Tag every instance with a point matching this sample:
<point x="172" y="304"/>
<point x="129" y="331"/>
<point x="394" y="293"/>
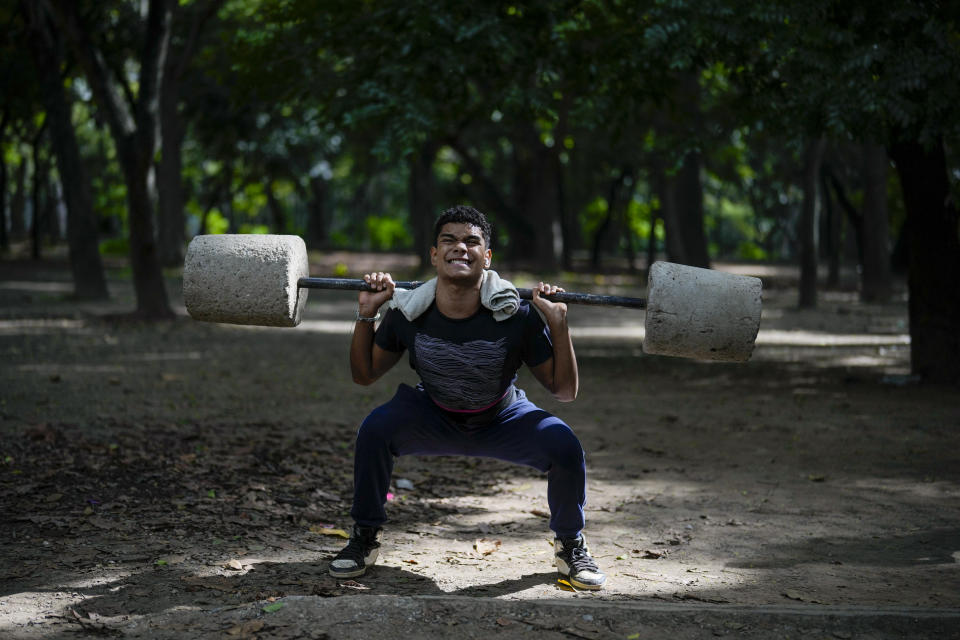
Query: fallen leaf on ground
<point x="247" y="628"/>
<point x="353" y="584"/>
<point x="540" y="513"/>
<point x="564" y="585"/>
<point x="235" y="565"/>
<point x="273" y="607"/>
<point x="329" y="532"/>
<point x="486" y="546"/>
<point x="101" y="523"/>
<point x="796" y="595"/>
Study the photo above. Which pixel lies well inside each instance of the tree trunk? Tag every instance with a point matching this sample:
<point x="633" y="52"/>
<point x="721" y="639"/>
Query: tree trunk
<point x="603" y="229"/>
<point x="486" y="191"/>
<point x="854" y="217"/>
<point x="666" y="192"/>
<point x="4" y="236"/>
<point x="278" y="216"/>
<point x="18" y="204"/>
<point x="877" y="277"/>
<point x="171" y="212"/>
<point x="318" y="220"/>
<point x="834" y="230"/>
<point x="38" y="183"/>
<point x="421" y="200"/>
<point x="689" y="201"/>
<point x="133" y="128"/>
<point x="51" y="212"/>
<point x="152" y="301"/>
<point x="86" y="266"/>
<point x="536" y="186"/>
<point x="934" y="258"/>
<point x="629" y="245"/>
<point x="567" y="225"/>
<point x="171" y="216"/>
<point x="808" y="225"/>
<point x="652" y="240"/>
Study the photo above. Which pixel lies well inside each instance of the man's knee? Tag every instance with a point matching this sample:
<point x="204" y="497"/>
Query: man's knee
<point x="562" y="445"/>
<point x="376" y="428"/>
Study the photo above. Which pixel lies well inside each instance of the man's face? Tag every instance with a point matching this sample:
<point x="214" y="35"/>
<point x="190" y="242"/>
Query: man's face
<point x="461" y="253"/>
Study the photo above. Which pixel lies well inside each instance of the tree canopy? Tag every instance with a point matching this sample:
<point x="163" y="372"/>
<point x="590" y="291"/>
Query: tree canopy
<point x="590" y="131"/>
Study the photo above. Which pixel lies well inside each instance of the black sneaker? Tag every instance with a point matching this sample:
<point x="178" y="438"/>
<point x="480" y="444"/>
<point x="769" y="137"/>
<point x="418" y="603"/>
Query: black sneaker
<point x="361" y="552"/>
<point x="575" y="564"/>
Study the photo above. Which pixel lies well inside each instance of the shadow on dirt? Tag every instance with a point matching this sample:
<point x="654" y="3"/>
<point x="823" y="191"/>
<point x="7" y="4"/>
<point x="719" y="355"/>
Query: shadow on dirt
<point x="933" y="547"/>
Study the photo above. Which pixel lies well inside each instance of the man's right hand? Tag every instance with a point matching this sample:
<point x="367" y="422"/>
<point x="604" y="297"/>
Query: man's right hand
<point x="370" y="301"/>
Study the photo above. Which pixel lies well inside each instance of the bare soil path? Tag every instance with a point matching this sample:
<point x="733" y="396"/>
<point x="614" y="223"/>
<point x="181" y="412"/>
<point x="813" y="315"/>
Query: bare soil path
<point x="188" y="480"/>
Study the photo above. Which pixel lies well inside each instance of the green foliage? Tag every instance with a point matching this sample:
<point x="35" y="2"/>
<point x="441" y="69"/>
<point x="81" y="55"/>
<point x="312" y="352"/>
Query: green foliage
<point x="592" y="215"/>
<point x="216" y="223"/>
<point x="324" y="102"/>
<point x="387" y="233"/>
<point x="640" y="219"/>
<point x="115" y="247"/>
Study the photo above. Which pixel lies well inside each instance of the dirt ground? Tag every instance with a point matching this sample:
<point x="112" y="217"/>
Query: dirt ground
<point x="185" y="479"/>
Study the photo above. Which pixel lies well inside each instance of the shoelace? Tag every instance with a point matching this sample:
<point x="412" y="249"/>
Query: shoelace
<point x="581" y="560"/>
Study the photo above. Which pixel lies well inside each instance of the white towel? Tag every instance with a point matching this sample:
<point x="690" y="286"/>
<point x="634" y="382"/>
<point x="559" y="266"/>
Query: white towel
<point x="496" y="294"/>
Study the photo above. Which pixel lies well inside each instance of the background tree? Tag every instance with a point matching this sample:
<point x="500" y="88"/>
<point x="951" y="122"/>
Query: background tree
<point x="47" y="49"/>
<point x="132" y="115"/>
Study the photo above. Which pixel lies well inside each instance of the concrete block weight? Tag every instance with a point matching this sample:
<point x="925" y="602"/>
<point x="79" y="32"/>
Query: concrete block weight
<point x="246" y="279"/>
<point x="701" y="313"/>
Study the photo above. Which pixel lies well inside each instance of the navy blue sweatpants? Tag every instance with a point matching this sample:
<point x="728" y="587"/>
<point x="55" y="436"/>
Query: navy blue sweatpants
<point x="411" y="424"/>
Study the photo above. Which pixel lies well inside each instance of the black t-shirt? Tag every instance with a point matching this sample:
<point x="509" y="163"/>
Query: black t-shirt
<point x="467" y="365"/>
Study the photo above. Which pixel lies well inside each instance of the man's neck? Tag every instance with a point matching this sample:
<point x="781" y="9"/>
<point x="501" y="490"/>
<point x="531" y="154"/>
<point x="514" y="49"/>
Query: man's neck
<point x="458" y="299"/>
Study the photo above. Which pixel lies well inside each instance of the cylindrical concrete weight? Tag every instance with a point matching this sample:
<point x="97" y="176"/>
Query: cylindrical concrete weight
<point x="246" y="279"/>
<point x="701" y="313"/>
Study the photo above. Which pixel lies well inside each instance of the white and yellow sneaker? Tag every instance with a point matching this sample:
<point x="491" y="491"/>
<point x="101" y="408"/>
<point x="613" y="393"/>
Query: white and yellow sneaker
<point x="575" y="564"/>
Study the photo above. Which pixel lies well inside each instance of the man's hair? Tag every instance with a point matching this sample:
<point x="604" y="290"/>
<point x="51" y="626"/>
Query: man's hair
<point x="463" y="214"/>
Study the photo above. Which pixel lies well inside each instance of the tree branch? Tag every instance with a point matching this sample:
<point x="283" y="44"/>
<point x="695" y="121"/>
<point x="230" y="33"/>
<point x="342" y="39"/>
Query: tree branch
<point x="200" y="18"/>
<point x="153" y="59"/>
<point x="95" y="68"/>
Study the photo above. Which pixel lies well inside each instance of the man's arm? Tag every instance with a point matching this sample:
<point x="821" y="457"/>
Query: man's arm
<point x="368" y="361"/>
<point x="558" y="374"/>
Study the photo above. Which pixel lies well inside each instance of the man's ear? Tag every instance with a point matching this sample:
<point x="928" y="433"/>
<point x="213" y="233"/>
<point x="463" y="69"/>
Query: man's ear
<point x="433" y="256"/>
<point x="487" y="257"/>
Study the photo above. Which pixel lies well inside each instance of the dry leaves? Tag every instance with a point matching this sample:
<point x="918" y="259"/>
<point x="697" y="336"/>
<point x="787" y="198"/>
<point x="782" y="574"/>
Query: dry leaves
<point x="246" y="629"/>
<point x="324" y="531"/>
<point x="486" y="546"/>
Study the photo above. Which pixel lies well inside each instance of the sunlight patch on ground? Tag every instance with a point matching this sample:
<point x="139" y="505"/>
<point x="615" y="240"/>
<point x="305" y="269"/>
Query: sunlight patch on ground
<point x="41" y="326"/>
<point x="328" y="326"/>
<point x="163" y="357"/>
<point x="920" y="488"/>
<point x="43" y="287"/>
<point x="28" y="607"/>
<point x="864" y="361"/>
<point x="97" y="582"/>
<point x="54" y="369"/>
<point x="802" y="338"/>
<point x="773" y="337"/>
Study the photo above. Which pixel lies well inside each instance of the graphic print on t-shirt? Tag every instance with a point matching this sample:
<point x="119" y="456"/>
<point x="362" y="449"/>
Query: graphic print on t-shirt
<point x="461" y="376"/>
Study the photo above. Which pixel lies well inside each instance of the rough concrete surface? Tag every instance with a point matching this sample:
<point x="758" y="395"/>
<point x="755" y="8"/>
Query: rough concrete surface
<point x="246" y="279"/>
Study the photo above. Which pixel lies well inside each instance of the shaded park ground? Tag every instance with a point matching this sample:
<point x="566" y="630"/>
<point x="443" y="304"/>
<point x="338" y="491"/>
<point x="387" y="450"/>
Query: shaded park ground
<point x="188" y="480"/>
